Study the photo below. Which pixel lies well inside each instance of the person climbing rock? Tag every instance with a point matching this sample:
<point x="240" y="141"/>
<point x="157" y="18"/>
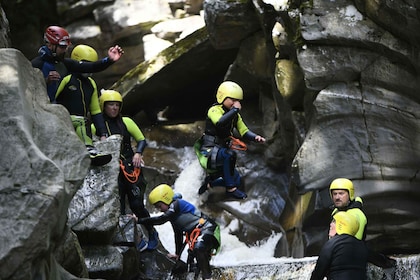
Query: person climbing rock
<point x="216" y="148"/>
<point x="54" y="66"/>
<point x="202" y="233"/>
<point x="131" y="181"/>
<point x="78" y="93"/>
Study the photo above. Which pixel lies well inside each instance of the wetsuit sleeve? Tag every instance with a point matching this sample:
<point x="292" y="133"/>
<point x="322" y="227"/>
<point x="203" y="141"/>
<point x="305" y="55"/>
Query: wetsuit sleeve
<point x="136" y="133"/>
<point x="94" y="100"/>
<point x="95" y="111"/>
<point x="99" y="122"/>
<point x="249" y="135"/>
<point x="220" y="118"/>
<point x="86" y="66"/>
<point x="178" y="237"/>
<point x="158" y="220"/>
<point x="133" y="129"/>
<point x="37" y="62"/>
<point x="226" y="118"/>
<point x="93" y="129"/>
<point x="241" y="126"/>
<point x="215" y="113"/>
<point x="324" y="261"/>
<point x="63" y="83"/>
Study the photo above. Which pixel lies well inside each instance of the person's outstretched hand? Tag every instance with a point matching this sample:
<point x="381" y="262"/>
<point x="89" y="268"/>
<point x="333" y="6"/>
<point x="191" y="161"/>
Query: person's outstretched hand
<point x="259" y="139"/>
<point x="115" y="53"/>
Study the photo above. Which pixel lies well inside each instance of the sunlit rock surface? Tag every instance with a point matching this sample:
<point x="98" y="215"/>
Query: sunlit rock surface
<point x="364" y="124"/>
<point x="43" y="163"/>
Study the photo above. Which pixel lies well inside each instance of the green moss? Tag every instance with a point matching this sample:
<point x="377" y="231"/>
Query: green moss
<point x="144" y="70"/>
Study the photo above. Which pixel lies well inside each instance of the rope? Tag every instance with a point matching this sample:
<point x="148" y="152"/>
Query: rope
<point x="236" y="144"/>
<point x="131" y="177"/>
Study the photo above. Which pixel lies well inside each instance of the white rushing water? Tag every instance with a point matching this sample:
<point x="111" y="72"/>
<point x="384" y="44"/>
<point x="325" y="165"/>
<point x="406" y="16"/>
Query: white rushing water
<point x="233" y="252"/>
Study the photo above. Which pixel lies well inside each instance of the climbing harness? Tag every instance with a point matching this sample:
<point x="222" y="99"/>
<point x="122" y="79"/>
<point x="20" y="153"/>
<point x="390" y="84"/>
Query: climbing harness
<point x="191" y="238"/>
<point x="236" y="144"/>
<point x="132" y="176"/>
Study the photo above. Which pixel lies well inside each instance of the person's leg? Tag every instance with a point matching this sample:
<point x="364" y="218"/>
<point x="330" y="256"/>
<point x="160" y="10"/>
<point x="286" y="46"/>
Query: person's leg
<point x="202" y="252"/>
<point x="122" y="193"/>
<point x="79" y="124"/>
<point x="227" y="158"/>
<point x="136" y="200"/>
<point x="85" y="134"/>
<point x="226" y="161"/>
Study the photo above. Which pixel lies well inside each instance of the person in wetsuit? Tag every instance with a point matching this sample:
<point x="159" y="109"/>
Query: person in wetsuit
<point x="342" y="196"/>
<point x="54" y="66"/>
<point x="215" y="154"/>
<point x="343" y="256"/>
<point x="131" y="181"/>
<point x="202" y="232"/>
<point x="78" y="93"/>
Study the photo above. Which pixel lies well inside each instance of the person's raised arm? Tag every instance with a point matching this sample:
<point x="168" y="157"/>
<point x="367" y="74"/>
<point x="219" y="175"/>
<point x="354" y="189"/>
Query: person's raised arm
<point x="115" y="53"/>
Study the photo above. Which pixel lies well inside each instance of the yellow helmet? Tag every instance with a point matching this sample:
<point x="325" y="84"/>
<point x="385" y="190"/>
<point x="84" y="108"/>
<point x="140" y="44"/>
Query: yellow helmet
<point x="346" y="223"/>
<point x="109" y="95"/>
<point x="229" y="89"/>
<point x="343" y="184"/>
<point x="163" y="193"/>
<point x="84" y="53"/>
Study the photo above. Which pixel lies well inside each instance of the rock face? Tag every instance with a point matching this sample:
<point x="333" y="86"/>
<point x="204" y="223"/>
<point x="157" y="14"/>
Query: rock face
<point x="40" y="175"/>
<point x="365" y="121"/>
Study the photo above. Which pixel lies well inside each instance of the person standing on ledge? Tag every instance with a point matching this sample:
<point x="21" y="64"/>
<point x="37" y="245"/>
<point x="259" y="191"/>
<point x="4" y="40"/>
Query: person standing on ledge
<point x="54" y="66"/>
<point x="78" y="93"/>
<point x="131" y="181"/>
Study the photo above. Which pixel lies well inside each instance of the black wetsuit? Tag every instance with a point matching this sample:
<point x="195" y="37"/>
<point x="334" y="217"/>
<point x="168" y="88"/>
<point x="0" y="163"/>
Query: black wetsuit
<point x="220" y="124"/>
<point x="80" y="97"/>
<point x="184" y="218"/>
<point x="343" y="257"/>
<point x="133" y="191"/>
<point x="374" y="258"/>
<point x="47" y="62"/>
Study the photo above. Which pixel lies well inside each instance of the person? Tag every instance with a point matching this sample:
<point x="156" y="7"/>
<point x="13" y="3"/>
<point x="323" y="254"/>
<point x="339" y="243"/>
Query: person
<point x="343" y="256"/>
<point x="78" y="93"/>
<point x="215" y="149"/>
<point x="131" y="182"/>
<point x="53" y="64"/>
<point x="342" y="195"/>
<point x="202" y="233"/>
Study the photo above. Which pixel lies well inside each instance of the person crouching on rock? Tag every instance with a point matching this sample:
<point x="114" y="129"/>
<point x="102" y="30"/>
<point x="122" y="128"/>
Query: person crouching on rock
<point x="202" y="234"/>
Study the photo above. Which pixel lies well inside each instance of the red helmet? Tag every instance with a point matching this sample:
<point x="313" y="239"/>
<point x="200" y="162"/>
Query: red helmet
<point x="57" y="36"/>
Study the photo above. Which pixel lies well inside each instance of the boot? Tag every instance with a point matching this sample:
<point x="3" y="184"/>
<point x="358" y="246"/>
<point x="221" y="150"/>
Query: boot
<point x="142" y="245"/>
<point x="236" y="194"/>
<point x="205" y="186"/>
<point x="153" y="240"/>
<point x="97" y="158"/>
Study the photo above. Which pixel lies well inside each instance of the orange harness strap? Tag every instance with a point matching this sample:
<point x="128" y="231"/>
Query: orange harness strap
<point x="192" y="237"/>
<point x="236" y="144"/>
<point x="132" y="177"/>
